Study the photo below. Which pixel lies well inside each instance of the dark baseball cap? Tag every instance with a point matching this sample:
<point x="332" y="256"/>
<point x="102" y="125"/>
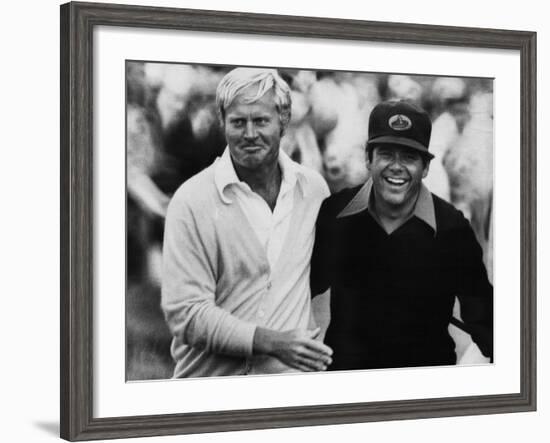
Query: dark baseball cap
<point x="402" y="123"/>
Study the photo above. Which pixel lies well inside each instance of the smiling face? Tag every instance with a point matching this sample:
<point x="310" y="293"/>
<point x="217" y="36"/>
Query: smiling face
<point x="396" y="173"/>
<point x="253" y="131"/>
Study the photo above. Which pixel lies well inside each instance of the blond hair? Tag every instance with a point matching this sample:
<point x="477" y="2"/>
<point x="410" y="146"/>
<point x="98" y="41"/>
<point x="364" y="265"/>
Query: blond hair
<point x="238" y="80"/>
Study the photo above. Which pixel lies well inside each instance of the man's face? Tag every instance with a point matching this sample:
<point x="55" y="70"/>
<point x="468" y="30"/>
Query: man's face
<point x="397" y="173"/>
<point x="253" y="131"/>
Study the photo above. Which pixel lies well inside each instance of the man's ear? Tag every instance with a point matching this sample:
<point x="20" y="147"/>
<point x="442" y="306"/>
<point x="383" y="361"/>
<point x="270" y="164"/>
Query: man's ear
<point x="284" y="120"/>
<point x="426" y="169"/>
<point x="221" y="119"/>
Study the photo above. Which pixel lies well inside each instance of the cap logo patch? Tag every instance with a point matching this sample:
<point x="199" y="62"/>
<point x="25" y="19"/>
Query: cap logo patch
<point x="399" y="122"/>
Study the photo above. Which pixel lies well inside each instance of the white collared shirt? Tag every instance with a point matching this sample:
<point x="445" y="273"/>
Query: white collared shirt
<point x="269" y="227"/>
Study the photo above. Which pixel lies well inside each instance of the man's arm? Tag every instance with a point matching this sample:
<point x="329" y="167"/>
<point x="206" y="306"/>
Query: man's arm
<point x="189" y="286"/>
<point x="475" y="292"/>
<point x="320" y="265"/>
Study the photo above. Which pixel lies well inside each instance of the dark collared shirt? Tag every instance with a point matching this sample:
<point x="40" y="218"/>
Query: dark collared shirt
<point x="423" y="209"/>
<point x="392" y="295"/>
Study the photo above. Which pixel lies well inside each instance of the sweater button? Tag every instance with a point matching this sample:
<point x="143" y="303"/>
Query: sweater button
<point x="269" y="286"/>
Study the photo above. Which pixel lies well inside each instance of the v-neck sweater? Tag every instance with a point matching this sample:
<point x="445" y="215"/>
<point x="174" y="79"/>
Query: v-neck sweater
<point x="218" y="285"/>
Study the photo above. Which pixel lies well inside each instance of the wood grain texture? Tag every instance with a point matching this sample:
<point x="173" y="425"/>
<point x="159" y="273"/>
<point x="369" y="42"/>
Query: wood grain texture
<point x="77" y="23"/>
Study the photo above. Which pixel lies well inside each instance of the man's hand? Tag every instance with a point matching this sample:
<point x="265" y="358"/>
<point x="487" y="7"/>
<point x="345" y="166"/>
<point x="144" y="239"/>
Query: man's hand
<point x="297" y="348"/>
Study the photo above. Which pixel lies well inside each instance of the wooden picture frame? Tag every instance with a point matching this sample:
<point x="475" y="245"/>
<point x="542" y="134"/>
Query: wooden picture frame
<point x="78" y="21"/>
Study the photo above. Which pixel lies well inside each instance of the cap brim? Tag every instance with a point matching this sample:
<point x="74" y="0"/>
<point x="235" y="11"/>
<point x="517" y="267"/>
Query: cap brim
<point x="401" y="141"/>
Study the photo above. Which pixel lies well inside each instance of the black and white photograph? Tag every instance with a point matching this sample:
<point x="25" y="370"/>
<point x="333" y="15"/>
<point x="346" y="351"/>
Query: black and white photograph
<point x="283" y="220"/>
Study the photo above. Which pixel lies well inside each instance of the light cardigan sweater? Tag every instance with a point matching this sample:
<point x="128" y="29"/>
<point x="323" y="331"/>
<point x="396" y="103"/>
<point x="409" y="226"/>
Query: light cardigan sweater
<point x="217" y="283"/>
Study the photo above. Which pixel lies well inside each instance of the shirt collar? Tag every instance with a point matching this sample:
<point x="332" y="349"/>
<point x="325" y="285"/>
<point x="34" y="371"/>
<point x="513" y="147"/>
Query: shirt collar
<point x="225" y="175"/>
<point x="424" y="208"/>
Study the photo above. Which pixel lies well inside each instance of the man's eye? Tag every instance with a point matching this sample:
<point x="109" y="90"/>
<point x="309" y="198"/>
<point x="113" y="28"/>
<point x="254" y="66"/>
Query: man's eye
<point x="237" y="122"/>
<point x="410" y="158"/>
<point x="261" y="121"/>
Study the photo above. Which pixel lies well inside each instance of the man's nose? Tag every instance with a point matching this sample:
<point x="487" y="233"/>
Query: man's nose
<point x="396" y="162"/>
<point x="250" y="130"/>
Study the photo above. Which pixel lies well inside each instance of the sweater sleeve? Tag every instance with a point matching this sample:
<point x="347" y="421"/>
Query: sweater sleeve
<point x="475" y="292"/>
<point x="189" y="287"/>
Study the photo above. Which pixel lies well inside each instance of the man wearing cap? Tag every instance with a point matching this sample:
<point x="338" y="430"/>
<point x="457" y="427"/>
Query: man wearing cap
<point x="395" y="256"/>
<point x="238" y="242"/>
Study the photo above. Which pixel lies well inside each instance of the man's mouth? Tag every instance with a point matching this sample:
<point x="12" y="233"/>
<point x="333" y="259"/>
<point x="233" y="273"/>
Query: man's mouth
<point x="395" y="181"/>
<point x="251" y="148"/>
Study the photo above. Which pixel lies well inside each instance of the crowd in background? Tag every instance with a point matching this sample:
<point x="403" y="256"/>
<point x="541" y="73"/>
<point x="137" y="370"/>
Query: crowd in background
<point x="173" y="133"/>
